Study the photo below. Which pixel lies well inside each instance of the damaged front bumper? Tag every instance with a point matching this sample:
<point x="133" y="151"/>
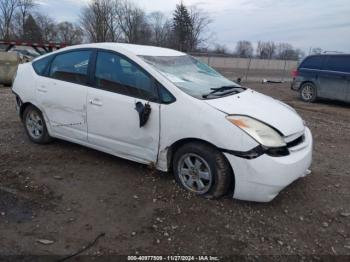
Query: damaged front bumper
<point x="262" y="178"/>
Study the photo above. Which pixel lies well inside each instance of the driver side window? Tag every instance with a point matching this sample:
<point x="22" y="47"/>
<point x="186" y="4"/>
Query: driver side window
<point x="117" y="74"/>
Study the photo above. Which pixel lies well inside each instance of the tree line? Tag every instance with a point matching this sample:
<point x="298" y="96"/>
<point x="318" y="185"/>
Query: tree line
<point x="20" y="20"/>
<point x="264" y="50"/>
<point x="124" y="21"/>
<point x="106" y="21"/>
<point x="187" y="29"/>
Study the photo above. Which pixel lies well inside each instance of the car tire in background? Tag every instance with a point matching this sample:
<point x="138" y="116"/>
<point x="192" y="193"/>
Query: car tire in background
<point x="35" y="125"/>
<point x="308" y="92"/>
<point x="202" y="169"/>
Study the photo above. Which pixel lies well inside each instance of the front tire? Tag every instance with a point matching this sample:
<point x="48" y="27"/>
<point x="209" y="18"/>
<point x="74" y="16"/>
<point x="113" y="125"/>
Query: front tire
<point x="308" y="92"/>
<point x="202" y="169"/>
<point x="35" y="125"/>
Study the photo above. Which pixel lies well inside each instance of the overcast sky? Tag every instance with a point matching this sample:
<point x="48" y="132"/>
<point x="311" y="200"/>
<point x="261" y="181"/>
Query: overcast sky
<point x="303" y="23"/>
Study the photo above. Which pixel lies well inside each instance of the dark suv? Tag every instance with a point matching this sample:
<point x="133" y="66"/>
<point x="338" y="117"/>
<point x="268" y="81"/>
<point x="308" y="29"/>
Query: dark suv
<point x="323" y="76"/>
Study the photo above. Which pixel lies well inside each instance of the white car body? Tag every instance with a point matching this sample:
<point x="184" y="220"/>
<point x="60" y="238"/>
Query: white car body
<point x="108" y="122"/>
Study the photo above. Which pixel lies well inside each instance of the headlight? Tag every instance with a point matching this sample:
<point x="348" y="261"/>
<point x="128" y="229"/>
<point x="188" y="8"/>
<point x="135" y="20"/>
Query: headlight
<point x="261" y="132"/>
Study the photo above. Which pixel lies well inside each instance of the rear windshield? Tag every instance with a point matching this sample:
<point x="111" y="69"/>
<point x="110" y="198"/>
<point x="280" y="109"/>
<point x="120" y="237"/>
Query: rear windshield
<point x="338" y="63"/>
<point x="312" y="62"/>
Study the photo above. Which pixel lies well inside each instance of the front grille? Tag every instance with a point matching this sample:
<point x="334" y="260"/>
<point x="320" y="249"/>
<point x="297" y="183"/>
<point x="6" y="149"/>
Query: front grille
<point x="296" y="142"/>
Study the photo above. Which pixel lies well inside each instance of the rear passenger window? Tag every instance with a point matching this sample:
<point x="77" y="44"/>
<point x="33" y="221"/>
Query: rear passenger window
<point x="338" y="63"/>
<point x="312" y="62"/>
<point x="117" y="74"/>
<point x="41" y="65"/>
<point x="71" y="67"/>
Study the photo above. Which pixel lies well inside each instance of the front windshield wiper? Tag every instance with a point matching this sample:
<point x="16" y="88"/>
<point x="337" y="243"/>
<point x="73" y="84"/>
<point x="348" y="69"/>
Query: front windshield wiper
<point x="222" y="89"/>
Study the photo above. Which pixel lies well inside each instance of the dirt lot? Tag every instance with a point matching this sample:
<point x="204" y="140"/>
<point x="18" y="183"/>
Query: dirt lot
<point x="70" y="194"/>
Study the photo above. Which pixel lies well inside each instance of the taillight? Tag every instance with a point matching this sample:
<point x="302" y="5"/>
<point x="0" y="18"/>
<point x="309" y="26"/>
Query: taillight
<point x="295" y="73"/>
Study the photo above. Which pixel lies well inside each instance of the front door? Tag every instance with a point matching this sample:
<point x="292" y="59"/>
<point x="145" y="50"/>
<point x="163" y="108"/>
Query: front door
<point x="114" y="123"/>
<point x="62" y="94"/>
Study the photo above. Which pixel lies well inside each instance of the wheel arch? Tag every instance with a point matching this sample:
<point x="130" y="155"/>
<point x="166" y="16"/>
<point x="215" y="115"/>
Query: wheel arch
<point x="307" y="82"/>
<point x="176" y="145"/>
<point x="23" y="108"/>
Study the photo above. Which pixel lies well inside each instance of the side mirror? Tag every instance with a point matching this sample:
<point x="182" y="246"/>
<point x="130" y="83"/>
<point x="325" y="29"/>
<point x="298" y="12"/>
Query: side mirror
<point x="144" y="111"/>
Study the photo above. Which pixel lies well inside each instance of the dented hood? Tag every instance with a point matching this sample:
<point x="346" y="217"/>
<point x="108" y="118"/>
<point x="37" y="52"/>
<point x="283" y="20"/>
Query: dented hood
<point x="261" y="107"/>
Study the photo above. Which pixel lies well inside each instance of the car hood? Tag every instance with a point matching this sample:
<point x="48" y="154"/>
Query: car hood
<point x="264" y="108"/>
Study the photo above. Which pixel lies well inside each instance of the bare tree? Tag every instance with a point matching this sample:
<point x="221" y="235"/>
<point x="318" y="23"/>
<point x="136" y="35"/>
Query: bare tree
<point x="286" y="51"/>
<point x="69" y="33"/>
<point x="220" y="49"/>
<point x="47" y="26"/>
<point x="266" y="50"/>
<point x="283" y="50"/>
<point x="7" y="10"/>
<point x="200" y="22"/>
<point x="244" y="49"/>
<point x="132" y="22"/>
<point x="160" y="28"/>
<point x="98" y="21"/>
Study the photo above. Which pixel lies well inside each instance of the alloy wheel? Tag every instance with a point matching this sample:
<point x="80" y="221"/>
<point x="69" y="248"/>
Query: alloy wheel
<point x="35" y="125"/>
<point x="194" y="173"/>
<point x="308" y="92"/>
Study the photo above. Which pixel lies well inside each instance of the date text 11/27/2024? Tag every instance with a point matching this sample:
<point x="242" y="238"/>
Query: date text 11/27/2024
<point x="173" y="258"/>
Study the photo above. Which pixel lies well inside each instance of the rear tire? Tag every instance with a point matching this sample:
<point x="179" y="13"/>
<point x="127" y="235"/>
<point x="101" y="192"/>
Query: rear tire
<point x="308" y="92"/>
<point x="35" y="126"/>
<point x="203" y="170"/>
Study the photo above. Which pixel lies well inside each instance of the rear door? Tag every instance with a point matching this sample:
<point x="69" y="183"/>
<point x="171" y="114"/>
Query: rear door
<point x="347" y="91"/>
<point x="310" y="69"/>
<point x="347" y="73"/>
<point x="120" y="87"/>
<point x="334" y="79"/>
<point x="63" y="92"/>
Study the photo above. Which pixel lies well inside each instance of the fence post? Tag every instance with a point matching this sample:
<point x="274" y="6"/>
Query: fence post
<point x="247" y="72"/>
<point x="284" y="70"/>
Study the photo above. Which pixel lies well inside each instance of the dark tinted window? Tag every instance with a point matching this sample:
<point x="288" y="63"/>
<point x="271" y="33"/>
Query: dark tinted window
<point x="338" y="63"/>
<point x="312" y="62"/>
<point x="165" y="96"/>
<point x="117" y="74"/>
<point x="71" y="67"/>
<point x="41" y="65"/>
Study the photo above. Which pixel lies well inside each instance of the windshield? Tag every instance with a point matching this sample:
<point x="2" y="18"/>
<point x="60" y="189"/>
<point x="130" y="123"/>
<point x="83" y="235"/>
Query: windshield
<point x="192" y="76"/>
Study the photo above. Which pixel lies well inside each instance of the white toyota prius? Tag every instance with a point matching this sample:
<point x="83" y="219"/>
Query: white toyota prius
<point x="164" y="108"/>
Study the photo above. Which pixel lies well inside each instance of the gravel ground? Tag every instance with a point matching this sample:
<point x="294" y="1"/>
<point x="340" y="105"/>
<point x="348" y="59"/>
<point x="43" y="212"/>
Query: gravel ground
<point x="69" y="194"/>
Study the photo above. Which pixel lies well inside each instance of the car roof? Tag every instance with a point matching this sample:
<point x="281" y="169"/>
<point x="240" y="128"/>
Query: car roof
<point x="139" y="50"/>
<point x="329" y="54"/>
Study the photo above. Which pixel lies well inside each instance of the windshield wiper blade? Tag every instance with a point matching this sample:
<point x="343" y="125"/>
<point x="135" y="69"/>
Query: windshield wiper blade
<point x="222" y="89"/>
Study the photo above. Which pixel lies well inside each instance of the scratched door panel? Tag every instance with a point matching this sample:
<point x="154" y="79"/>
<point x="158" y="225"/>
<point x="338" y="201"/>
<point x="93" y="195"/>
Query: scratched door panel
<point x="64" y="105"/>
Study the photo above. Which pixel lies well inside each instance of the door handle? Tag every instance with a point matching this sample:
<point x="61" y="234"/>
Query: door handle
<point x="42" y="89"/>
<point x="95" y="102"/>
